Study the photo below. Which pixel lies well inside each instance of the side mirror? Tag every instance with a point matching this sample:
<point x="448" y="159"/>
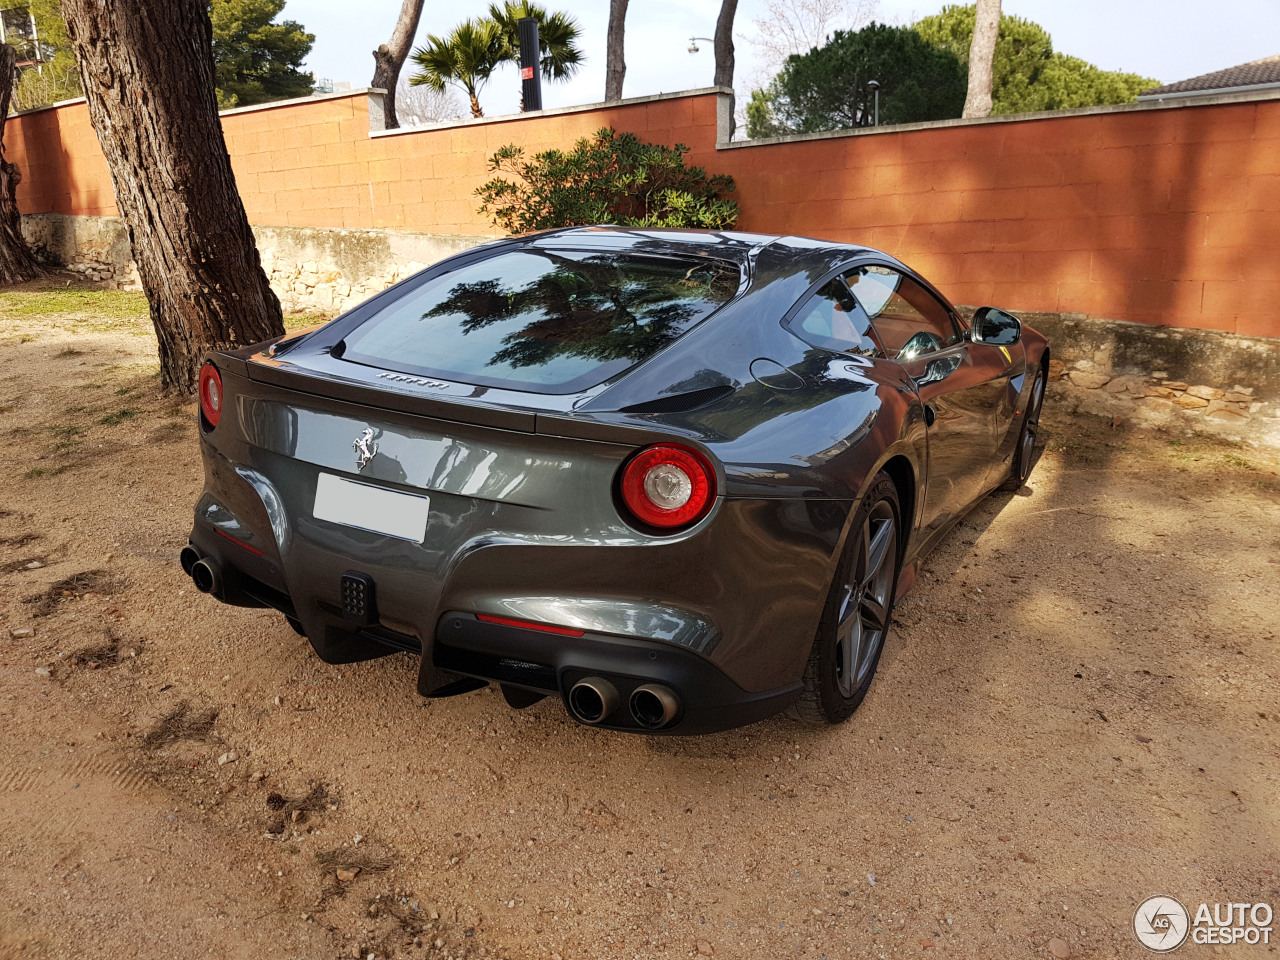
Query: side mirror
<point x="996" y="327"/>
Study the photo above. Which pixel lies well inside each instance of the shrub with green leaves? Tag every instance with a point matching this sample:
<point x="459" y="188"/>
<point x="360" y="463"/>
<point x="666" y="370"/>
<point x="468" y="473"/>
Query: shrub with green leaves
<point x="609" y="177"/>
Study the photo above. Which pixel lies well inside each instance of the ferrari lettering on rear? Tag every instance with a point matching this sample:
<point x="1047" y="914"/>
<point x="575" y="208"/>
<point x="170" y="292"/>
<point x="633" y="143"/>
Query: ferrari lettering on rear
<point x="420" y="381"/>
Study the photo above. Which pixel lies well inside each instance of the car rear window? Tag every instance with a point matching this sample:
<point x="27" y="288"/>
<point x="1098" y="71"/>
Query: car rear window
<point x="543" y="321"/>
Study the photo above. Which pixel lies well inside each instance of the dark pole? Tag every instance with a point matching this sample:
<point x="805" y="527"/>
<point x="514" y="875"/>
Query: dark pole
<point x="530" y="64"/>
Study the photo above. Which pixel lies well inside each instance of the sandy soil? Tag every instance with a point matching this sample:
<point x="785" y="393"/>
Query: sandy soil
<point x="1077" y="710"/>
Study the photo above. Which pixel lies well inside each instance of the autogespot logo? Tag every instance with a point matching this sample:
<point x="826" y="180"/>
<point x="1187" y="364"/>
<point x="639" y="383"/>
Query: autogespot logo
<point x="1161" y="924"/>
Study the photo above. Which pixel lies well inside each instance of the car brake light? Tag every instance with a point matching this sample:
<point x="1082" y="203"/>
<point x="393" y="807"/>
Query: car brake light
<point x="668" y="486"/>
<point x="528" y="625"/>
<point x="211" y="394"/>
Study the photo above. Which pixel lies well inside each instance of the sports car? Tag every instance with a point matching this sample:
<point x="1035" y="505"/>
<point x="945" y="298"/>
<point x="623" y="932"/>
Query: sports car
<point x="675" y="478"/>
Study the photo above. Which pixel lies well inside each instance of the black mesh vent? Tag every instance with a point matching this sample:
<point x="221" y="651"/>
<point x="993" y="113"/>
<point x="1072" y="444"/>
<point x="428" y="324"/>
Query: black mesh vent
<point x="357" y="597"/>
<point x="682" y="402"/>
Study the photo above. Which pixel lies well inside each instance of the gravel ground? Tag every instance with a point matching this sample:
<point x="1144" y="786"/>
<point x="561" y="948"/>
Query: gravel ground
<point x="1076" y="710"/>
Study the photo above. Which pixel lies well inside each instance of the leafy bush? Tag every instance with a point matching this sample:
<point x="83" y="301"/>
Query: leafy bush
<point x="609" y="177"/>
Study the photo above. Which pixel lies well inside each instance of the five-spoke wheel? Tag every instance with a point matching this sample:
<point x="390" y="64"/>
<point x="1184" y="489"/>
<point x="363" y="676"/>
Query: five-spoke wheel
<point x="856" y="618"/>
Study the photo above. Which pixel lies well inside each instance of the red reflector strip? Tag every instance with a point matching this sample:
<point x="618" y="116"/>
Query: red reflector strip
<point x="528" y="625"/>
<point x="238" y="543"/>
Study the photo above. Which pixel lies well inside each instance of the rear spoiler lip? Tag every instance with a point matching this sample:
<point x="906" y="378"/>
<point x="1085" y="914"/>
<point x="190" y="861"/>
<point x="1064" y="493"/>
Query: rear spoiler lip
<point x="599" y="428"/>
<point x="351" y="392"/>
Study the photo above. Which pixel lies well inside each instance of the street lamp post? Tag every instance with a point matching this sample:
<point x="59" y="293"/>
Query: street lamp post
<point x="693" y="43"/>
<point x="874" y="87"/>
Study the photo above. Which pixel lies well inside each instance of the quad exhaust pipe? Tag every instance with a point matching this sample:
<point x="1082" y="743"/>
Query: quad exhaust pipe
<point x="652" y="705"/>
<point x="189" y="557"/>
<point x="207" y="577"/>
<point x="593" y="699"/>
<point x="203" y="571"/>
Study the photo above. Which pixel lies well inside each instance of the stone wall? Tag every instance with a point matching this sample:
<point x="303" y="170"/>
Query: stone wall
<point x="312" y="269"/>
<point x="97" y="247"/>
<point x="315" y="270"/>
<point x="1184" y="381"/>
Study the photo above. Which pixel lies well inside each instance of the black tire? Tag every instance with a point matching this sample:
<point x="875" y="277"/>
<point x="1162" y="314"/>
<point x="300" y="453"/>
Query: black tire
<point x="1024" y="454"/>
<point x="838" y="674"/>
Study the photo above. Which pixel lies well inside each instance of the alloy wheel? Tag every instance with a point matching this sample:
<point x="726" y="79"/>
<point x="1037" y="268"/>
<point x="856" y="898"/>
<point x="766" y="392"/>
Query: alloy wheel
<point x="864" y="607"/>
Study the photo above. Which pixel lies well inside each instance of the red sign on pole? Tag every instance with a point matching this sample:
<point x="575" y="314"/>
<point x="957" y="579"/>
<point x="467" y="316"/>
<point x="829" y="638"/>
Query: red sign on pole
<point x="526" y="73"/>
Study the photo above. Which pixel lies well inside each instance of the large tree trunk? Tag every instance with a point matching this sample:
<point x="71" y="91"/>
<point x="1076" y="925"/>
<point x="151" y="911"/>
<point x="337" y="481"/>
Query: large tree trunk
<point x="982" y="54"/>
<point x="390" y="57"/>
<point x="17" y="263"/>
<point x="615" y="63"/>
<point x="147" y="70"/>
<point x="724" y="51"/>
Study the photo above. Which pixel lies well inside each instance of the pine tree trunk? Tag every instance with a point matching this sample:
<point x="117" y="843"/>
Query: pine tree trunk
<point x="982" y="54"/>
<point x="389" y="59"/>
<point x="724" y="51"/>
<point x="17" y="263"/>
<point x="147" y="71"/>
<point x="615" y="70"/>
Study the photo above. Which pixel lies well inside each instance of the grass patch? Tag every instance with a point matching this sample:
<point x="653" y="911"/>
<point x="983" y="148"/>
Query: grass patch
<point x="67" y="431"/>
<point x="123" y="390"/>
<point x="119" y="417"/>
<point x="110" y="304"/>
<point x="69" y="352"/>
<point x="35" y="473"/>
<point x="300" y="321"/>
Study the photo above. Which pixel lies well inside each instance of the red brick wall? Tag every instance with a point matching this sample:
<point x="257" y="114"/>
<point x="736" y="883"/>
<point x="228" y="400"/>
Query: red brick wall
<point x="1161" y="216"/>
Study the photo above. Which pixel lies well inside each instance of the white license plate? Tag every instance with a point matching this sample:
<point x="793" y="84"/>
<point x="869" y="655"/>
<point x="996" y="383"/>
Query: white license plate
<point x="389" y="512"/>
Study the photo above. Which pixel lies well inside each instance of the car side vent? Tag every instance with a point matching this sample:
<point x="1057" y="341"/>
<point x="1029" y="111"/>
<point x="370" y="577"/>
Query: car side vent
<point x="681" y="402"/>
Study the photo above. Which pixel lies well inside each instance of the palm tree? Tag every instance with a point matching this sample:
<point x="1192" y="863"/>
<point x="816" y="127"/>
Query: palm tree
<point x="467" y="57"/>
<point x="557" y="37"/>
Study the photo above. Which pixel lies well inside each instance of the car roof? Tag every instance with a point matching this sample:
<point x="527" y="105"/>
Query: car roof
<point x="737" y="246"/>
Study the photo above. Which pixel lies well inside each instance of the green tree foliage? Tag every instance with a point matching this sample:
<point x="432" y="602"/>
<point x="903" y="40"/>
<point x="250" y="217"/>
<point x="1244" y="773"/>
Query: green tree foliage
<point x="256" y="59"/>
<point x="467" y="57"/>
<point x="606" y="178"/>
<point x="1027" y="74"/>
<point x="557" y="37"/>
<point x="57" y="78"/>
<point x="826" y="88"/>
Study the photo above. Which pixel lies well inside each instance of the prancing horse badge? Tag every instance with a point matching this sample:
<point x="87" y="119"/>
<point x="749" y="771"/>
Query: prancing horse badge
<point x="365" y="449"/>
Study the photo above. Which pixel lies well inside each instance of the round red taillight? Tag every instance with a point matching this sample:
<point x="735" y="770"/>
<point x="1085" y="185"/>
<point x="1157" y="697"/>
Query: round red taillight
<point x="668" y="486"/>
<point x="211" y="394"/>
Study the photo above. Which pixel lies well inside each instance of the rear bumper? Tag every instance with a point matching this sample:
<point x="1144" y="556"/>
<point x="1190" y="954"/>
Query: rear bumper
<point x="465" y="648"/>
<point x="550" y="664"/>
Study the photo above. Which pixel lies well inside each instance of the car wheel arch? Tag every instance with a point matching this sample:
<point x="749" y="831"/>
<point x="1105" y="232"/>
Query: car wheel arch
<point x="902" y="468"/>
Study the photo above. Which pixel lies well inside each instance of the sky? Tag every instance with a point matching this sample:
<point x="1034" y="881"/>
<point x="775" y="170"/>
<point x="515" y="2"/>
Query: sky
<point x="1168" y="40"/>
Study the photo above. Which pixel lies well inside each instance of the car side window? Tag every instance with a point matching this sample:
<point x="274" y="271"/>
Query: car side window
<point x="909" y="320"/>
<point x="832" y="319"/>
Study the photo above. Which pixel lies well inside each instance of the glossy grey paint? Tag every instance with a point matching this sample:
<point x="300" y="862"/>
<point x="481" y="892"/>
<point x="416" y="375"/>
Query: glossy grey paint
<point x="524" y="520"/>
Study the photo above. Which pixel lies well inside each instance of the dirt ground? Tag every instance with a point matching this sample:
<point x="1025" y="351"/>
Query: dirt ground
<point x="1077" y="709"/>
